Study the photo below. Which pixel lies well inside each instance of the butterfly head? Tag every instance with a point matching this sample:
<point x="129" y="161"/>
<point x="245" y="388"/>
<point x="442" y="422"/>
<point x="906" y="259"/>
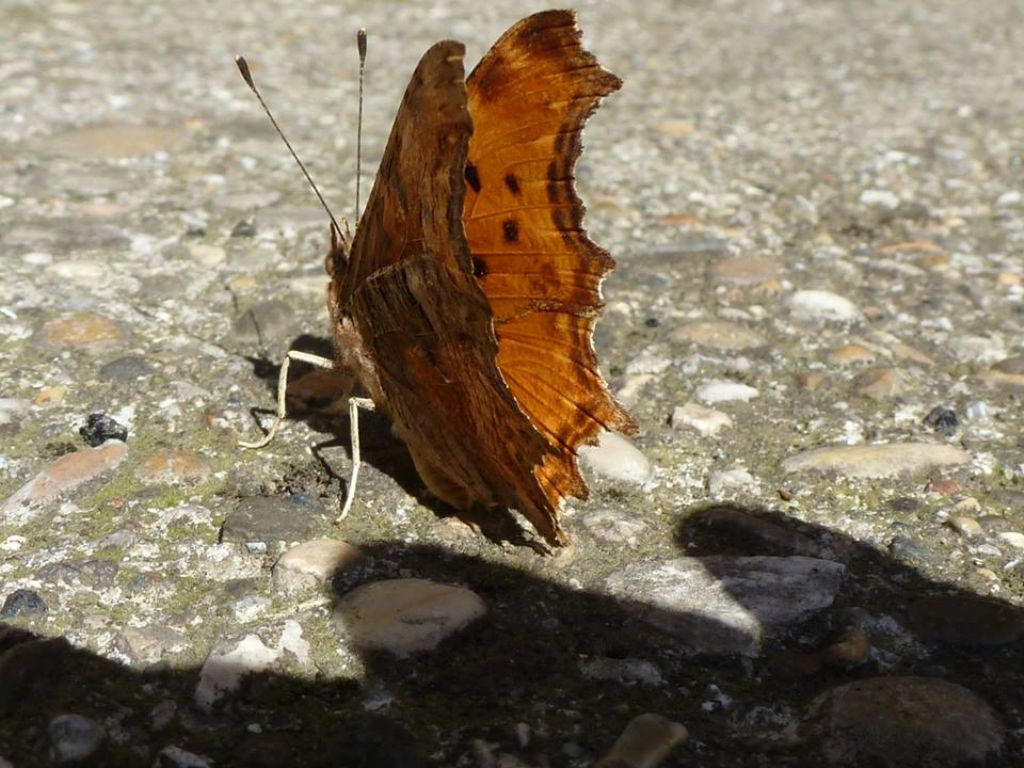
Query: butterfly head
<point x="336" y="263"/>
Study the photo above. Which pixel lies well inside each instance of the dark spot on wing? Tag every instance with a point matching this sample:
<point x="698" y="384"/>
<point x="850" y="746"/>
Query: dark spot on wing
<point x="479" y="268"/>
<point x="472" y="177"/>
<point x="510" y="228"/>
<point x="512" y="183"/>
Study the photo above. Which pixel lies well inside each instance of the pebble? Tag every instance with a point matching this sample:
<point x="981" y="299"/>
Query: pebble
<point x="644" y="743"/>
<point x="207" y="255"/>
<point x="724" y="390"/>
<point x="622" y="671"/>
<point x="64" y="475"/>
<point x="877" y="461"/>
<point x="744" y="270"/>
<point x="313" y="563"/>
<point x="707" y="421"/>
<point x="148" y="645"/>
<point x="227" y="665"/>
<point x="977" y="349"/>
<point x="966" y="620"/>
<point x="271" y="519"/>
<point x="81" y="272"/>
<point x="99" y="428"/>
<point x="851" y="650"/>
<point x="722" y="482"/>
<point x="11" y="408"/>
<point x="726" y="605"/>
<point x="82" y="331"/>
<point x="614" y="526"/>
<point x="126" y="369"/>
<point x="965" y="526"/>
<point x="74" y="738"/>
<point x="851" y="354"/>
<point x="49" y="396"/>
<point x="881" y="383"/>
<point x="23" y="602"/>
<point x="823" y="306"/>
<point x="943" y="420"/>
<point x="1014" y="538"/>
<point x="881" y="198"/>
<point x="405" y="616"/>
<point x="616" y="458"/>
<point x="106" y="141"/>
<point x="719" y="334"/>
<point x="169" y="466"/>
<point x="895" y="722"/>
<point x="176" y="757"/>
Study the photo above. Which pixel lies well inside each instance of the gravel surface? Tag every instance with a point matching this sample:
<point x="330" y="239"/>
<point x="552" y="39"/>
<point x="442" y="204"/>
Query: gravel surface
<point x="817" y="320"/>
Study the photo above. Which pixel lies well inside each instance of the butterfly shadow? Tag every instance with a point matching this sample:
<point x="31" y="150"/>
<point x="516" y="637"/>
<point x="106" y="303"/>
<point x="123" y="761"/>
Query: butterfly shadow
<point x="549" y="664"/>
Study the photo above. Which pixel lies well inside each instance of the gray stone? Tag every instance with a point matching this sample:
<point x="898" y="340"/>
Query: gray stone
<point x="406" y="616"/>
<point x="727" y="605"/>
<point x="894" y="722"/>
<point x="270" y="519"/>
<point x="74" y="738"/>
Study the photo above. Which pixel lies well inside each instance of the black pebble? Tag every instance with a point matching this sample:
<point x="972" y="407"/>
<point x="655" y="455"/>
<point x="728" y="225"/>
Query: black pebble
<point x="99" y="428"/>
<point x="23" y="602"/>
<point x="943" y="420"/>
<point x="244" y="229"/>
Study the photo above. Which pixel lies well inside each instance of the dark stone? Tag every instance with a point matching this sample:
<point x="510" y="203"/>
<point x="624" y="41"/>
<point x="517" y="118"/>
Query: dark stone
<point x="99" y="428"/>
<point x="126" y="369"/>
<point x="271" y="518"/>
<point x="375" y="743"/>
<point x="244" y="229"/>
<point x="23" y="602"/>
<point x="943" y="420"/>
<point x="967" y="620"/>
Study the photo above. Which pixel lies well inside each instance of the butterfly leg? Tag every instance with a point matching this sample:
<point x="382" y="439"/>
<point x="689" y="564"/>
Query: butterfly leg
<point x="354" y="404"/>
<point x="282" y="390"/>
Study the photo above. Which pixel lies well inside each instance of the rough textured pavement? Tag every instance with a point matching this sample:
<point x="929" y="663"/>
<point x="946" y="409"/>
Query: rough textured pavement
<point x="817" y="319"/>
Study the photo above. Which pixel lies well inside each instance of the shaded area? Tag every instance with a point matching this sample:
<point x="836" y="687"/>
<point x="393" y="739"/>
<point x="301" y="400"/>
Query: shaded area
<point x="520" y="664"/>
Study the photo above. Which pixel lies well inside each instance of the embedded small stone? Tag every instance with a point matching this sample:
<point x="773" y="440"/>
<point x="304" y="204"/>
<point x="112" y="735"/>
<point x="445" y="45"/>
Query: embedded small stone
<point x="312" y="563"/>
<point x="49" y="396"/>
<point x="876" y="461"/>
<point x="406" y="616"/>
<point x="707" y="421"/>
<point x="881" y="383"/>
<point x="176" y="757"/>
<point x="83" y="330"/>
<point x="943" y="420"/>
<point x="823" y="306"/>
<point x="894" y="722"/>
<point x="965" y="526"/>
<point x="881" y="198"/>
<point x="724" y="390"/>
<point x="224" y="668"/>
<point x="646" y="741"/>
<point x="23" y="602"/>
<point x="719" y="334"/>
<point x="616" y="458"/>
<point x="727" y="605"/>
<point x="623" y="671"/>
<point x="99" y="428"/>
<point x="851" y="354"/>
<point x="170" y="466"/>
<point x="74" y="738"/>
<point x="65" y="474"/>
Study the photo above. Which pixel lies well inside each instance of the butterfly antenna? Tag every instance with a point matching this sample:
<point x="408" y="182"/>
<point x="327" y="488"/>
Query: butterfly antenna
<point x="361" y="45"/>
<point x="243" y="67"/>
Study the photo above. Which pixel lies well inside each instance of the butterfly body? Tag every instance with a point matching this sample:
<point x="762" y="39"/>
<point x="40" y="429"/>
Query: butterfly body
<point x="465" y="302"/>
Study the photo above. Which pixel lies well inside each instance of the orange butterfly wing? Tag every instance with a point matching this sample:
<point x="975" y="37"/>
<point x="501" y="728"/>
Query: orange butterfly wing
<point x="411" y="322"/>
<point x="489" y="419"/>
<point x="529" y="98"/>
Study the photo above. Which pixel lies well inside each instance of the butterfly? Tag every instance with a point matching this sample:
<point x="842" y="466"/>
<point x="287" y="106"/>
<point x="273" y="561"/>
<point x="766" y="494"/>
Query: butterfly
<point x="465" y="302"/>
